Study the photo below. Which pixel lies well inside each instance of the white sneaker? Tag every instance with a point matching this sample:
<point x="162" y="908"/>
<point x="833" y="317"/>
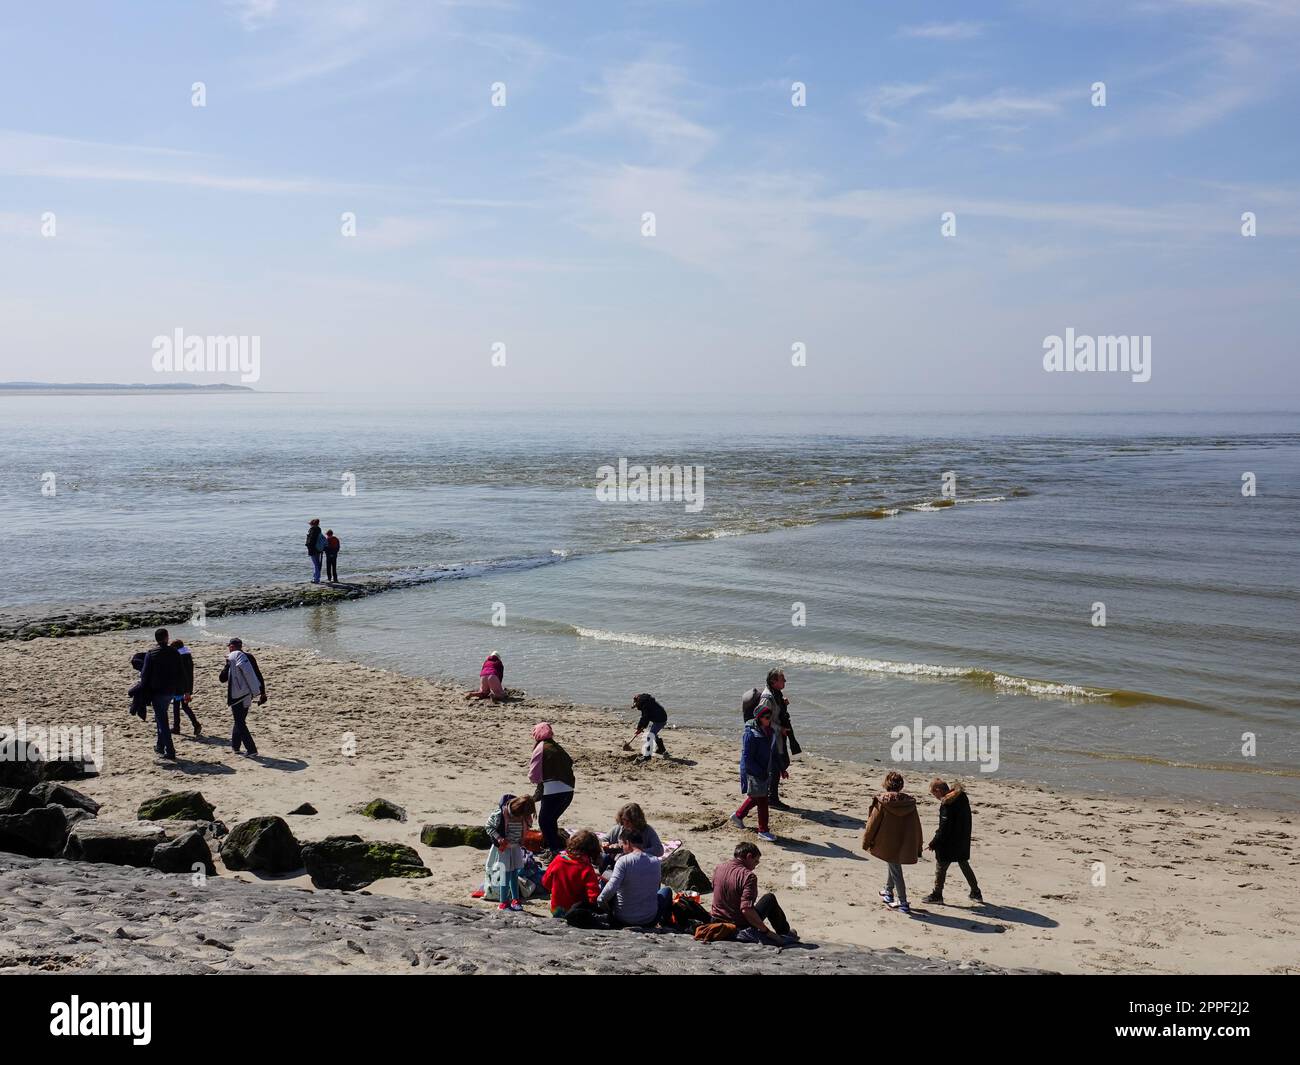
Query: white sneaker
<point x="767" y="836"/>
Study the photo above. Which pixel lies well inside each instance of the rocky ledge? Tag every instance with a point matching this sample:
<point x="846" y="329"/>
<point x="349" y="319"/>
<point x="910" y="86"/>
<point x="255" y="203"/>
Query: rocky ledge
<point x="74" y="917"/>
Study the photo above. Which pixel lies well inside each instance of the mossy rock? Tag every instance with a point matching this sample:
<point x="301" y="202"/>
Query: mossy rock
<point x="383" y="810"/>
<point x="263" y="844"/>
<point x="475" y="836"/>
<point x="349" y="863"/>
<point x="176" y="806"/>
<point x="944" y="503"/>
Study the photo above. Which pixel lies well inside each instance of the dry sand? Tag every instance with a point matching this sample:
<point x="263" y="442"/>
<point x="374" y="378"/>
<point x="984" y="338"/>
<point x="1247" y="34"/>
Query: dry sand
<point x="1199" y="890"/>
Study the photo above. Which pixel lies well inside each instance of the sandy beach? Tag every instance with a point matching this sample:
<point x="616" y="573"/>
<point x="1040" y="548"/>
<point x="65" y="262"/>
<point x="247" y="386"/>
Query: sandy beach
<point x="1187" y="889"/>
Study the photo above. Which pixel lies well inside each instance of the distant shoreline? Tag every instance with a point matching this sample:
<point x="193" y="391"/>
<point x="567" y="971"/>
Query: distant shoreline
<point x="44" y="388"/>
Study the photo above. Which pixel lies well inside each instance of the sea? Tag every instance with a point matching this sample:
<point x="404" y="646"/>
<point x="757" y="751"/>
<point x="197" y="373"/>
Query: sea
<point x="1101" y="602"/>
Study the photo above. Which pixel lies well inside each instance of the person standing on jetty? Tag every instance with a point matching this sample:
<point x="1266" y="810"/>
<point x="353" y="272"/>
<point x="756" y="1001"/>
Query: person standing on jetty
<point x="951" y="842"/>
<point x="332" y="545"/>
<point x="182" y="701"/>
<point x="161" y="680"/>
<point x="243" y="682"/>
<point x="893" y="834"/>
<point x="756" y="756"/>
<point x="316" y="542"/>
<point x="551" y="769"/>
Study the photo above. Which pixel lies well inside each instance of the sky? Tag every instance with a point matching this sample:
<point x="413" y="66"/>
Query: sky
<point x="127" y="212"/>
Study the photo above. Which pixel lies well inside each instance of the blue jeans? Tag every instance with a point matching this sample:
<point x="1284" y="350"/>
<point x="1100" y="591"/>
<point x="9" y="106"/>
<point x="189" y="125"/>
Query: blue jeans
<point x="163" y="744"/>
<point x="315" y="566"/>
<point x="240" y="734"/>
<point x="664" y="903"/>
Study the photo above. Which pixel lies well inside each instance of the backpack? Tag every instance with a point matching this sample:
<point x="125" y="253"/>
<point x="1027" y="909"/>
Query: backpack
<point x="749" y="703"/>
<point x="321" y="541"/>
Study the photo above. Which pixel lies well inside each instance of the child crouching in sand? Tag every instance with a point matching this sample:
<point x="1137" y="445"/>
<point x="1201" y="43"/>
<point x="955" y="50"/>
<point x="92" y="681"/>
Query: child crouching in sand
<point x="571" y="878"/>
<point x="507" y="825"/>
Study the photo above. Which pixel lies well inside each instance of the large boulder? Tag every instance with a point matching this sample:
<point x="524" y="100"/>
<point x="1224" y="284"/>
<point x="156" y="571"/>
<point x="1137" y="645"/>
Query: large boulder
<point x="262" y="845"/>
<point x="53" y="793"/>
<point x="20" y="762"/>
<point x="681" y="872"/>
<point x="207" y="829"/>
<point x="67" y="769"/>
<point x="121" y="844"/>
<point x="182" y="854"/>
<point x="383" y="810"/>
<point x="350" y="863"/>
<point x="16" y="801"/>
<point x="475" y="836"/>
<point x="38" y="833"/>
<point x="176" y="806"/>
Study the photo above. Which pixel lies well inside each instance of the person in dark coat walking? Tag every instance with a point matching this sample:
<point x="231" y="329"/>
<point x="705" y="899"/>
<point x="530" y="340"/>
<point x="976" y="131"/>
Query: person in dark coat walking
<point x="951" y="841"/>
<point x="161" y="680"/>
<point x="182" y="700"/>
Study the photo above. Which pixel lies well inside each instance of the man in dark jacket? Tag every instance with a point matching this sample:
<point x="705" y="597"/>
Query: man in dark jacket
<point x="161" y="680"/>
<point x="951" y="841"/>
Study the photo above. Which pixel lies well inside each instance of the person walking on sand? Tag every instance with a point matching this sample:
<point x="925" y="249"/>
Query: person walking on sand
<point x="243" y="682"/>
<point x="736" y="901"/>
<point x="315" y="548"/>
<point x="951" y="842"/>
<point x="893" y="834"/>
<point x="161" y="680"/>
<point x="182" y="701"/>
<point x="571" y="878"/>
<point x="490" y="680"/>
<point x="332" y="545"/>
<point x="784" y="744"/>
<point x="507" y="825"/>
<point x="755" y="764"/>
<point x="653" y="717"/>
<point x="551" y="769"/>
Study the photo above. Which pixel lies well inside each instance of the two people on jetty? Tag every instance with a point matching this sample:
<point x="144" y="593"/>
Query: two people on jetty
<point x="323" y="546"/>
<point x="167" y="682"/>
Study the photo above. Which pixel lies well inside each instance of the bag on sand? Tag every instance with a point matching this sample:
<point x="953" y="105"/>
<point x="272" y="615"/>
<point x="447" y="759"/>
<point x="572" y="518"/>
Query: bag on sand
<point x="711" y="933"/>
<point x="749" y="703"/>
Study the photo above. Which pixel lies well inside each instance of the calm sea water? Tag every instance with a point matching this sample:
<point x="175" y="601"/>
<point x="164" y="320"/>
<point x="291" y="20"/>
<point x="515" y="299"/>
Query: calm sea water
<point x="976" y="614"/>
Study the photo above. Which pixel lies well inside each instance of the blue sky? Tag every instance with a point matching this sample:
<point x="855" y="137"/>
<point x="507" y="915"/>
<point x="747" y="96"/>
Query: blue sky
<point x="774" y="224"/>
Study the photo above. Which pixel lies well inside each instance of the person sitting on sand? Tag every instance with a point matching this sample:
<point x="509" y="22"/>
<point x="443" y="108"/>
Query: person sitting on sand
<point x="631" y="818"/>
<point x="182" y="701"/>
<point x="491" y="678"/>
<point x="632" y="893"/>
<point x="161" y="680"/>
<point x="654" y="717"/>
<point x="571" y="878"/>
<point x="243" y="682"/>
<point x="315" y="547"/>
<point x="507" y="825"/>
<point x="893" y="835"/>
<point x="951" y="842"/>
<point x="332" y="545"/>
<point x="551" y="769"/>
<point x="755" y="763"/>
<point x="736" y="901"/>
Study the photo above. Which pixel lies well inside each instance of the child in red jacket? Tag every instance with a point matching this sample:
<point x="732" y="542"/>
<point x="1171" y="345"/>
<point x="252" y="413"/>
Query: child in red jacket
<point x="571" y="878"/>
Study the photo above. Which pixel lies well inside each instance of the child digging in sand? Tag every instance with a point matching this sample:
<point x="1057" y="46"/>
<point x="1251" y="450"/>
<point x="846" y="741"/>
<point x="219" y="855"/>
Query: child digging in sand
<point x="507" y="825"/>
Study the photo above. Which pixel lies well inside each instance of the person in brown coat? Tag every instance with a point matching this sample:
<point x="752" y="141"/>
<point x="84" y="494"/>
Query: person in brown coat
<point x="893" y="835"/>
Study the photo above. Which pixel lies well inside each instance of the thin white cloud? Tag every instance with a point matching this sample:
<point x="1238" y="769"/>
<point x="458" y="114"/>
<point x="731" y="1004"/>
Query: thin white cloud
<point x="998" y="107"/>
<point x="943" y="31"/>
